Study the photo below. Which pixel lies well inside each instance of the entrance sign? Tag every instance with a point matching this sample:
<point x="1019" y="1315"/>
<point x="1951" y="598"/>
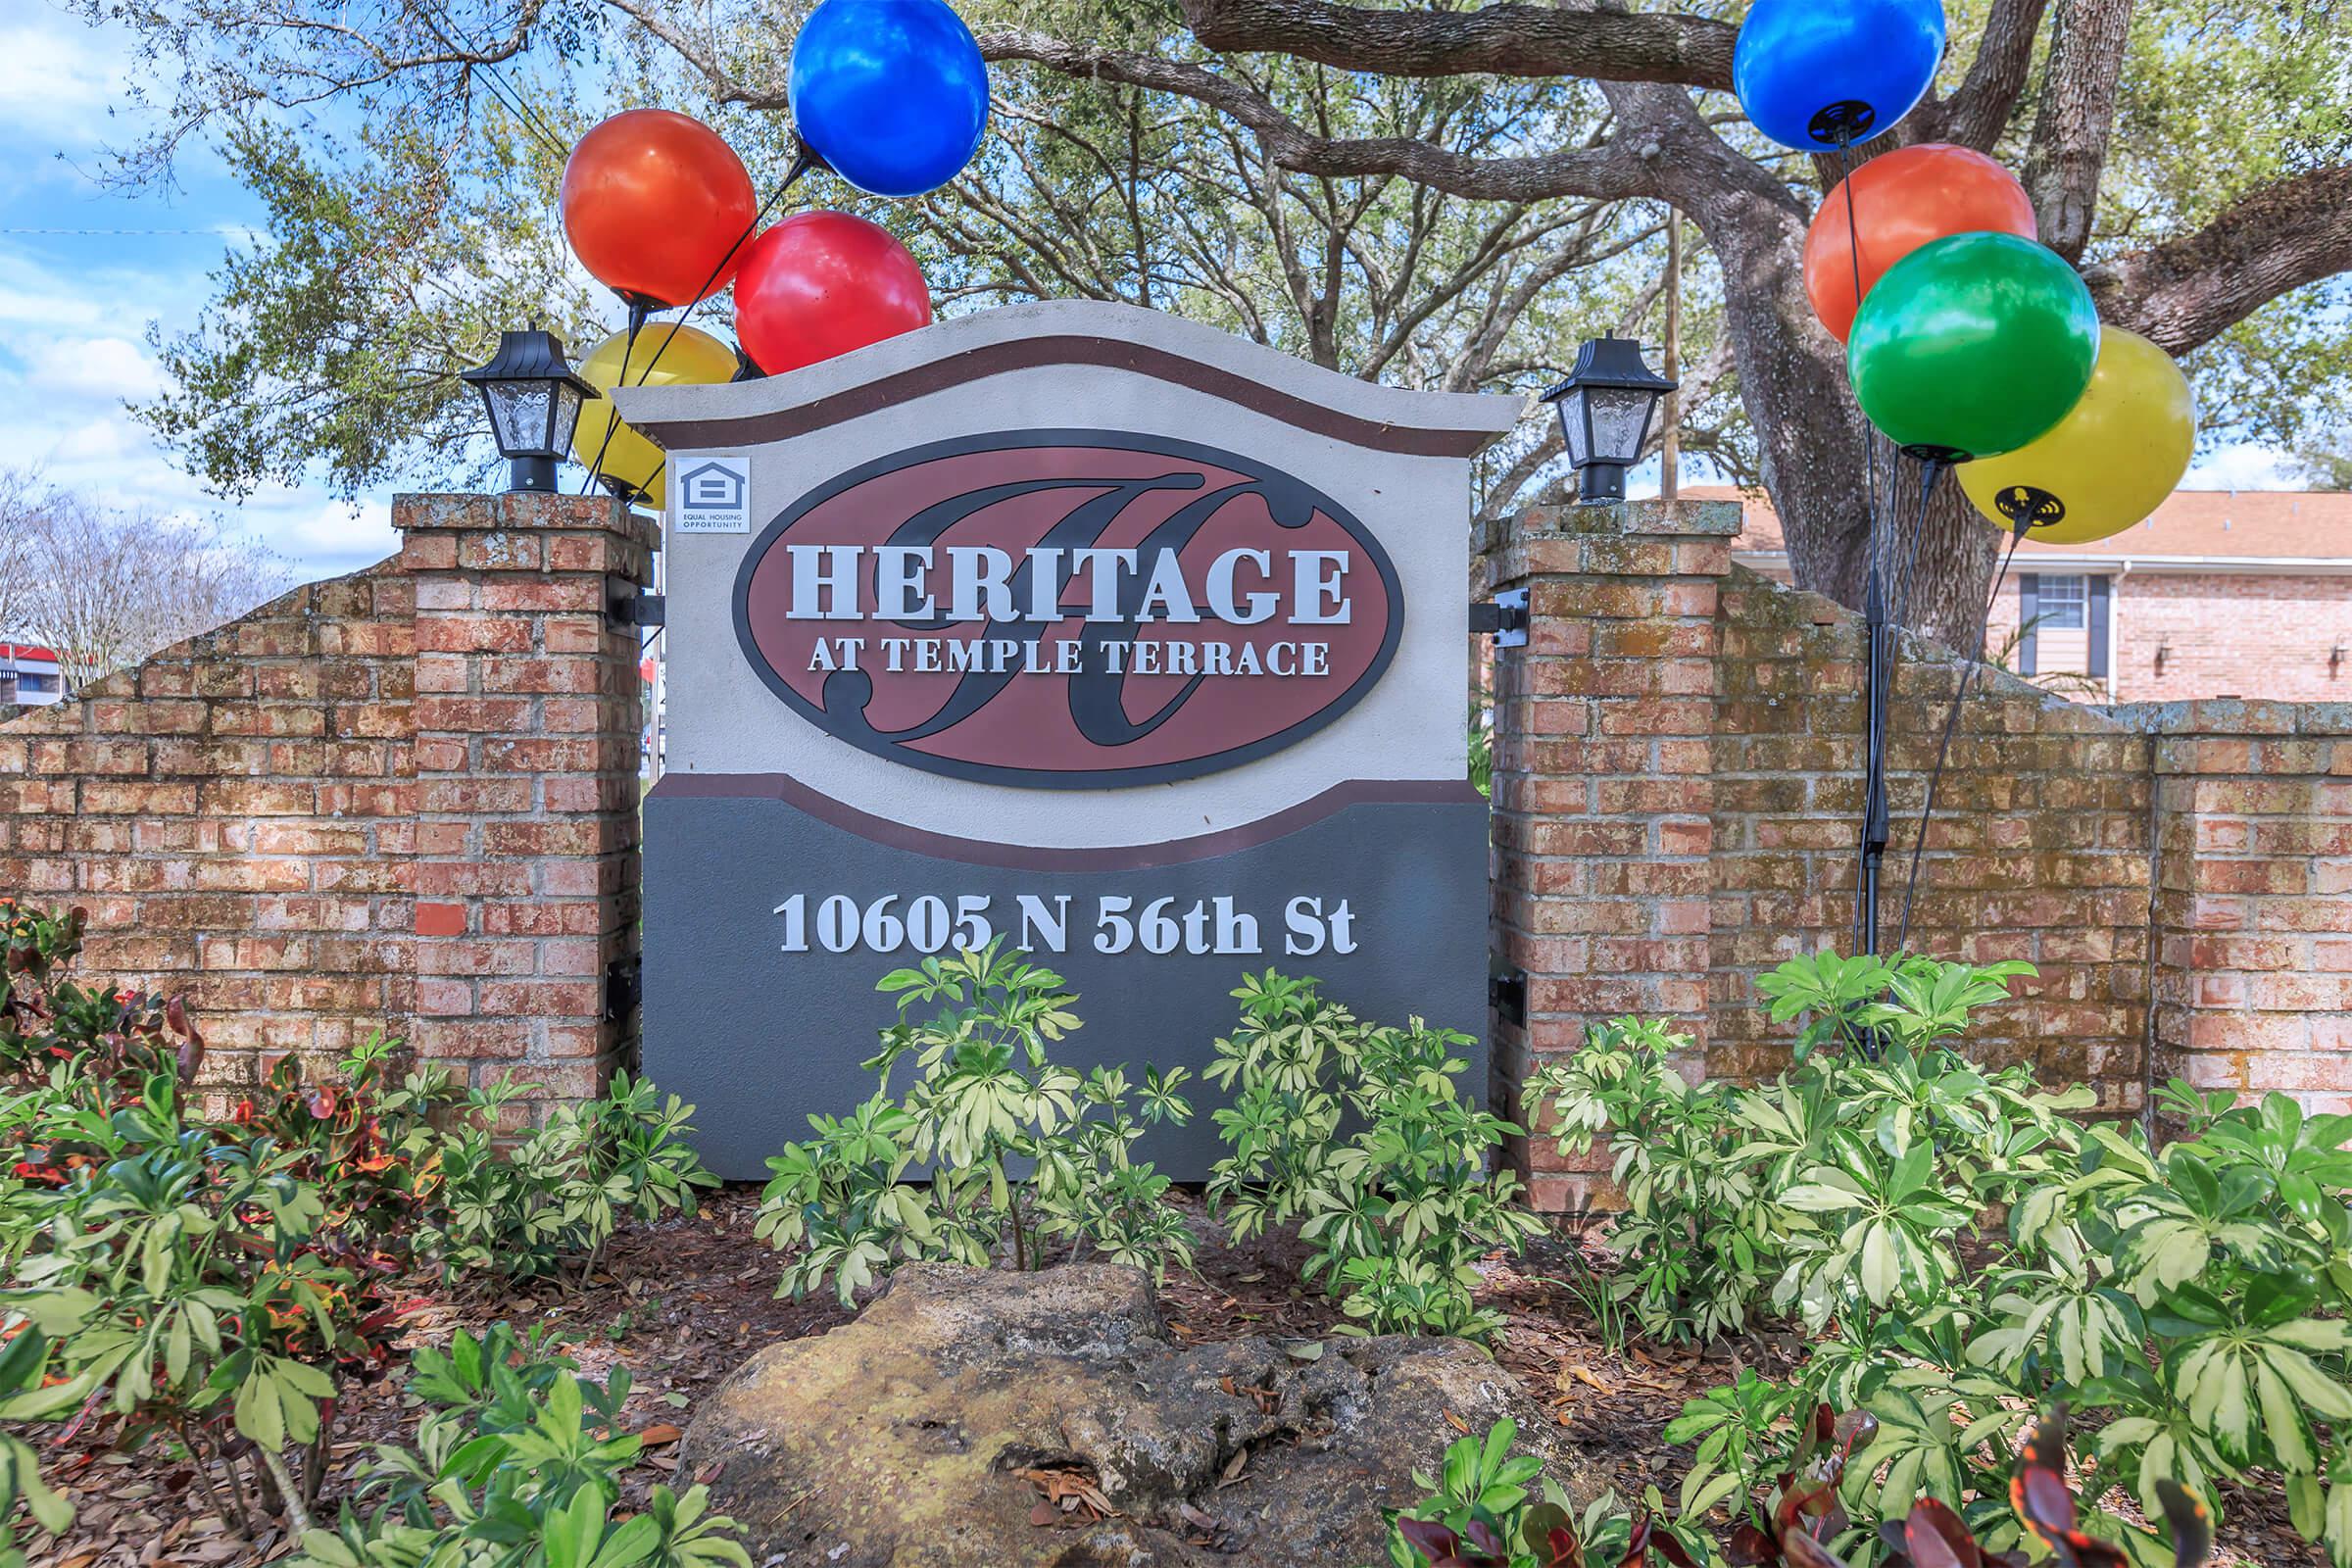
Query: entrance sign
<point x="1070" y="625"/>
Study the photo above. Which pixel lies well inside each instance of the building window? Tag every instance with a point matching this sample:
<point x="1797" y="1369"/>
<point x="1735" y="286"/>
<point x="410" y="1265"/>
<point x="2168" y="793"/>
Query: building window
<point x="26" y="681"/>
<point x="2062" y="603"/>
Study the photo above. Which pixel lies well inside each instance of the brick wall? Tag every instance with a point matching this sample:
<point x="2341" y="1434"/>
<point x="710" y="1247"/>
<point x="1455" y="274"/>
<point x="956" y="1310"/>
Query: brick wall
<point x="2253" y="915"/>
<point x="1678" y="795"/>
<point x="1603" y="784"/>
<point x="2039" y="848"/>
<point x="402" y="800"/>
<point x="407" y="800"/>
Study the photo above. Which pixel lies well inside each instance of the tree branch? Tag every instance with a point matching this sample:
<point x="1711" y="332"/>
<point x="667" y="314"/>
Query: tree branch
<point x="1503" y="40"/>
<point x="2076" y="117"/>
<point x="1978" y="110"/>
<point x="1603" y="173"/>
<point x="2188" y="291"/>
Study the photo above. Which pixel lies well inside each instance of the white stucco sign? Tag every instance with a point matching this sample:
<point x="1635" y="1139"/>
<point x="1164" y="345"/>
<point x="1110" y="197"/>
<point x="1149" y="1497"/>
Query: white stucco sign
<point x="1071" y="626"/>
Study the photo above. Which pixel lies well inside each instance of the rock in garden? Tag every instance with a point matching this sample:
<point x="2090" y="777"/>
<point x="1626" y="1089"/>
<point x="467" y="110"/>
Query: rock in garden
<point x="978" y="1419"/>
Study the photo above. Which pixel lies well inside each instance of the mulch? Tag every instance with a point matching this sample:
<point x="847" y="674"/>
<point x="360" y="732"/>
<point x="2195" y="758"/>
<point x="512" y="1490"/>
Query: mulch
<point x="683" y="1302"/>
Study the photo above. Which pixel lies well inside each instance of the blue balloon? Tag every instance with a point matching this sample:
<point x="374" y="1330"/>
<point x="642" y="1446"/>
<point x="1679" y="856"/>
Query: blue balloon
<point x="892" y="94"/>
<point x="1808" y="70"/>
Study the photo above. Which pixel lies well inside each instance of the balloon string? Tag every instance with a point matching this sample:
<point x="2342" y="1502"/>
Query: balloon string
<point x="1874" y="740"/>
<point x="637" y="315"/>
<point x="801" y="164"/>
<point x="1870" y="445"/>
<point x="1943" y="747"/>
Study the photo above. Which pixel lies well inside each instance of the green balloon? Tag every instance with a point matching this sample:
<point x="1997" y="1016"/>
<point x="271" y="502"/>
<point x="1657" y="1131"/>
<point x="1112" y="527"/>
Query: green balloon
<point x="1973" y="345"/>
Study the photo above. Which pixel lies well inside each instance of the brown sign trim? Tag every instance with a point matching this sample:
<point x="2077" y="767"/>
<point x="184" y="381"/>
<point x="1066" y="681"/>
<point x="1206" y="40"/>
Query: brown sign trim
<point x="1046" y="857"/>
<point x="1032" y="353"/>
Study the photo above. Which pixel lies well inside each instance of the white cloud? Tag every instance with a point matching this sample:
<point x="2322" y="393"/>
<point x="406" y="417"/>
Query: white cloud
<point x="112" y="367"/>
<point x="61" y="80"/>
<point x="2244" y="466"/>
<point x="341" y="531"/>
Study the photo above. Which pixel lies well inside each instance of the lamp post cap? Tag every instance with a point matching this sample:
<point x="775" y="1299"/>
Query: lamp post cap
<point x="529" y="354"/>
<point x="1611" y="362"/>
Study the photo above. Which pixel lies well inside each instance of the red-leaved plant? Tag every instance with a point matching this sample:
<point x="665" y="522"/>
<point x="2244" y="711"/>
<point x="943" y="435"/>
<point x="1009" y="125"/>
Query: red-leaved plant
<point x="1932" y="1536"/>
<point x="220" y="1279"/>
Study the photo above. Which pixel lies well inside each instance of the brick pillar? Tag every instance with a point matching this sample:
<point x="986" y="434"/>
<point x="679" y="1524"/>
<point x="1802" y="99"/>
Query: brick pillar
<point x="1602" y="787"/>
<point x="2253" y="917"/>
<point x="527" y="716"/>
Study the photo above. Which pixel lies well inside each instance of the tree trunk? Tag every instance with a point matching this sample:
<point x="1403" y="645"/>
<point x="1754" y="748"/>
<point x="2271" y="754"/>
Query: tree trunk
<point x="1956" y="557"/>
<point x="1811" y="439"/>
<point x="1810" y="434"/>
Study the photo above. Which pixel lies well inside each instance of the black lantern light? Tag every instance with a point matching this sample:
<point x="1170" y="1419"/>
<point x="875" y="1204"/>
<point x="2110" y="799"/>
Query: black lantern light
<point x="1605" y="407"/>
<point x="535" y="400"/>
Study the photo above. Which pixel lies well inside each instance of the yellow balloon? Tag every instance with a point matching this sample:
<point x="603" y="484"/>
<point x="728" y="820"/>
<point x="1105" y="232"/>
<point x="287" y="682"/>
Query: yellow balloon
<point x="2108" y="464"/>
<point x="665" y="355"/>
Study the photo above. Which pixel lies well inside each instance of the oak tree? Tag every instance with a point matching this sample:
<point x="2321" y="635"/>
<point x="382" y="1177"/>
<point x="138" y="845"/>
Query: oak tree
<point x="1441" y="195"/>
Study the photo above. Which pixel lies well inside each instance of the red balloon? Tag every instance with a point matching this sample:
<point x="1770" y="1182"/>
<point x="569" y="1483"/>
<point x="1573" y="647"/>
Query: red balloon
<point x="658" y="207"/>
<point x="1908" y="197"/>
<point x="823" y="284"/>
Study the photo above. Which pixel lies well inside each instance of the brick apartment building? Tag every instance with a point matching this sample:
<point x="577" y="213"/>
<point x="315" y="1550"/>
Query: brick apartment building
<point x="2222" y="593"/>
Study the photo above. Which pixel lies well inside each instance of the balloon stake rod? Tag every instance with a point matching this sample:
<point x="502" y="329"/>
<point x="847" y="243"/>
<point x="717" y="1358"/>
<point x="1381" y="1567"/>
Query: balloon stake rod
<point x="1882" y="623"/>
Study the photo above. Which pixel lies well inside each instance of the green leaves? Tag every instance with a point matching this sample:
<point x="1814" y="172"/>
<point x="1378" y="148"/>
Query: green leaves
<point x="519" y="1464"/>
<point x="546" y="1204"/>
<point x="1396" y="1212"/>
<point x="278" y="1399"/>
<point x="1855" y="1003"/>
<point x="986" y="1100"/>
<point x="1699" y="1239"/>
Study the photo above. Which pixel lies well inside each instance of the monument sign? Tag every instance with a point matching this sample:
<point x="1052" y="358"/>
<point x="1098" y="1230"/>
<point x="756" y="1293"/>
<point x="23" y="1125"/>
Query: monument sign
<point x="1074" y="627"/>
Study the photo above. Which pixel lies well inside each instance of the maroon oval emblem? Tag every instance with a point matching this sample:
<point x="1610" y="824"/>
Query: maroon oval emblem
<point x="1068" y="609"/>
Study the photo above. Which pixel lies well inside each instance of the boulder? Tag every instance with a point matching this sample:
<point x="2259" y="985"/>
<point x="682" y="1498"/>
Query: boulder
<point x="941" y="1427"/>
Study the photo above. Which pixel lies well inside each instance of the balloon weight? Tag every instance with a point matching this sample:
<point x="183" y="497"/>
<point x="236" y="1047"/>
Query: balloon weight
<point x="1973" y="345"/>
<point x="892" y="94"/>
<point x="1901" y="200"/>
<point x="2108" y="464"/>
<point x="664" y="355"/>
<point x="654" y="203"/>
<point x="823" y="284"/>
<point x="1813" y="73"/>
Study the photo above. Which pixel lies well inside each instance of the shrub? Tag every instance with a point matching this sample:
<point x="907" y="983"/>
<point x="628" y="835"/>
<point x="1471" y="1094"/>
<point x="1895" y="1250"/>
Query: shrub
<point x="1971" y="1253"/>
<point x="1696" y="1238"/>
<point x="547" y="1203"/>
<point x="220" y="1282"/>
<point x="1398" y="1210"/>
<point x="1833" y="1193"/>
<point x="1930" y="1534"/>
<point x="988" y="1102"/>
<point x="217" y="1283"/>
<point x="516" y="1461"/>
<point x="1481" y="1513"/>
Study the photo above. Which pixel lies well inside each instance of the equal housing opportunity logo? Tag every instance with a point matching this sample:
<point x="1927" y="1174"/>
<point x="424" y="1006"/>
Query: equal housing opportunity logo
<point x="714" y="495"/>
<point x="1067" y="609"/>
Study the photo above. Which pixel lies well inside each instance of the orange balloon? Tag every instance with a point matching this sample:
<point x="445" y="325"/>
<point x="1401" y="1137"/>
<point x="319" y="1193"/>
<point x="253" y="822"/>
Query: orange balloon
<point x="1908" y="197"/>
<point x="658" y="207"/>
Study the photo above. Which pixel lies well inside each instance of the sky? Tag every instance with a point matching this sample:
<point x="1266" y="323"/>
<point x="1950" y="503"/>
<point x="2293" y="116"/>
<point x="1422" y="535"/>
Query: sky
<point x="86" y="272"/>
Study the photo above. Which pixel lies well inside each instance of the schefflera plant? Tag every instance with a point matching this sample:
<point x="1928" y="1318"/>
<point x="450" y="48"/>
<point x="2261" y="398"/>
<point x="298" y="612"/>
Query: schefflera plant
<point x="1397" y="1211"/>
<point x="1029" y="1160"/>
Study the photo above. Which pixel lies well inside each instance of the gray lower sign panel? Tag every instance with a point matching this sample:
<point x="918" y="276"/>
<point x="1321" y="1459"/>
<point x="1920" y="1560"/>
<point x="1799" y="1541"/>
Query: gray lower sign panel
<point x="766" y="925"/>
